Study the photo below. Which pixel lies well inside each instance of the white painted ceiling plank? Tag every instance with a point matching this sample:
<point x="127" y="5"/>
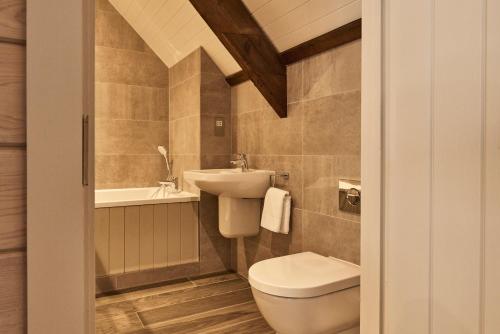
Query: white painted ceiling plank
<point x="149" y="12"/>
<point x="194" y="27"/>
<point x="301" y="16"/>
<point x="321" y="26"/>
<point x="133" y="12"/>
<point x="275" y="9"/>
<point x="254" y="5"/>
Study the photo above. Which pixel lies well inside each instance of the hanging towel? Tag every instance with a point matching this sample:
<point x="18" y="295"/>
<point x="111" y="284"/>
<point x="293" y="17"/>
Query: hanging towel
<point x="276" y="213"/>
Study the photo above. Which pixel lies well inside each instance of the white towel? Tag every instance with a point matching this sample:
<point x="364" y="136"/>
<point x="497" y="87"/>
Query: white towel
<point x="276" y="213"/>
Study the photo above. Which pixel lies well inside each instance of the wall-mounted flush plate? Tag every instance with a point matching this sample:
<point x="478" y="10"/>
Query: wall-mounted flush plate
<point x="219" y="126"/>
<point x="350" y="196"/>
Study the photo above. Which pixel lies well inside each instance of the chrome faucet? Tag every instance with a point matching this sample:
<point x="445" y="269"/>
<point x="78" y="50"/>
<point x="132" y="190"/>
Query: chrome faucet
<point x="241" y="162"/>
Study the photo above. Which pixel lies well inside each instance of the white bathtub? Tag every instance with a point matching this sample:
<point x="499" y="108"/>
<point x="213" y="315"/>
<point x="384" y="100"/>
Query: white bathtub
<point x="107" y="198"/>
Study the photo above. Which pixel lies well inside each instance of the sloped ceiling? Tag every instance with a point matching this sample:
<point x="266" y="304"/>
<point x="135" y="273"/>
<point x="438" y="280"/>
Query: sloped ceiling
<point x="173" y="28"/>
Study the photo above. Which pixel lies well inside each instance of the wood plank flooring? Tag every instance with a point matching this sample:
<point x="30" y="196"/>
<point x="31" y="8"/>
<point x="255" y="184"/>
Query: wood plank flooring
<point x="217" y="304"/>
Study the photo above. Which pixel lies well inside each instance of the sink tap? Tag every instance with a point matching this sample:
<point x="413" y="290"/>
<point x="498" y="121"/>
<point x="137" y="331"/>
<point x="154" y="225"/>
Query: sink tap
<point x="241" y="162"/>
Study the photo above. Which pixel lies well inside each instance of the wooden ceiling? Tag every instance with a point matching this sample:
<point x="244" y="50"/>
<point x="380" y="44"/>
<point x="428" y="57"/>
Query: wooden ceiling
<point x="173" y="28"/>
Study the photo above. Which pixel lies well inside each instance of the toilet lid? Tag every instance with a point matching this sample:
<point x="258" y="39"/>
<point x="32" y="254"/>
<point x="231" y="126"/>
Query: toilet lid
<point x="303" y="275"/>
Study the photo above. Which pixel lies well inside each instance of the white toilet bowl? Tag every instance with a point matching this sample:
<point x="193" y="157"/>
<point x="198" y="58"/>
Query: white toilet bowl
<point x="307" y="293"/>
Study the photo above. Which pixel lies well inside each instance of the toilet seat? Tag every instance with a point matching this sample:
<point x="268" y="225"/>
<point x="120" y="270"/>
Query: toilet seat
<point x="303" y="275"/>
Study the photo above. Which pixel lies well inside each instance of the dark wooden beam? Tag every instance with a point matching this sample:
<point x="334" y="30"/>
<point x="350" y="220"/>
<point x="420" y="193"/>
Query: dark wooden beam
<point x="245" y="40"/>
<point x="237" y="78"/>
<point x="337" y="37"/>
<point x="332" y="39"/>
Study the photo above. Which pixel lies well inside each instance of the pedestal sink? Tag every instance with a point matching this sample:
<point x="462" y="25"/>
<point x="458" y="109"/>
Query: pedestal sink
<point x="240" y="195"/>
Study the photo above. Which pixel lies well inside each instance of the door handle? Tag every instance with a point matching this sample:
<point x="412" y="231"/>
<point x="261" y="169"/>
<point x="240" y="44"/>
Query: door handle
<point x="85" y="150"/>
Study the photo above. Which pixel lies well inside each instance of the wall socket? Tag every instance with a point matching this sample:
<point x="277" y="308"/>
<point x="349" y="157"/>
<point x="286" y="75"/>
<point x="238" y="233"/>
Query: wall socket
<point x="219" y="127"/>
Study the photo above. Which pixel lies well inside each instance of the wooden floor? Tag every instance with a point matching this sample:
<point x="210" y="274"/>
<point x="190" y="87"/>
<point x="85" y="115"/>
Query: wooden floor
<point x="217" y="304"/>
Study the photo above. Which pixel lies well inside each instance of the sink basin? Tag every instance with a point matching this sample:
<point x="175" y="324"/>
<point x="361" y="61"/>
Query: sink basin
<point x="231" y="182"/>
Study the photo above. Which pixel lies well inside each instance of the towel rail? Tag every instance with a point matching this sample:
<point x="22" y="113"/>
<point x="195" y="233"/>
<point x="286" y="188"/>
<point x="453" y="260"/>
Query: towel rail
<point x="283" y="175"/>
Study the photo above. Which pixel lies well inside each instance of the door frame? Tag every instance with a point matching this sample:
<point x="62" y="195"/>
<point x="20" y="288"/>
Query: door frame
<point x="372" y="230"/>
<point x="45" y="33"/>
<point x="60" y="91"/>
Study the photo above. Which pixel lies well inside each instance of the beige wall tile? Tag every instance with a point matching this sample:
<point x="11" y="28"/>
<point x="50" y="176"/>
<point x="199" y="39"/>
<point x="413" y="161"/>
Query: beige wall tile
<point x="132" y="109"/>
<point x="129" y="67"/>
<point x="215" y="161"/>
<point x="318" y="233"/>
<point x="319" y="184"/>
<point x="129" y="136"/>
<point x="332" y="125"/>
<point x="347" y="240"/>
<point x="319" y="75"/>
<point x="185" y="98"/>
<point x="207" y="64"/>
<point x="295" y="89"/>
<point x="321" y="178"/>
<point x="128" y="171"/>
<point x="348" y="67"/>
<point x="331" y="236"/>
<point x="282" y="136"/>
<point x="214" y="248"/>
<point x="121" y="101"/>
<point x="185" y="135"/>
<point x="211" y="144"/>
<point x="13" y="198"/>
<point x="215" y="94"/>
<point x="246" y="97"/>
<point x="186" y="68"/>
<point x="112" y="30"/>
<point x="250" y="250"/>
<point x="247" y="132"/>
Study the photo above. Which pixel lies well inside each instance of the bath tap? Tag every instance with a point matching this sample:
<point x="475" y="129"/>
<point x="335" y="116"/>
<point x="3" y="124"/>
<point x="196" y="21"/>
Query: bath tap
<point x="241" y="162"/>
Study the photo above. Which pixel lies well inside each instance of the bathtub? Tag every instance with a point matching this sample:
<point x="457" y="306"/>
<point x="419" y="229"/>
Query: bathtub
<point x="108" y="198"/>
<point x="143" y="232"/>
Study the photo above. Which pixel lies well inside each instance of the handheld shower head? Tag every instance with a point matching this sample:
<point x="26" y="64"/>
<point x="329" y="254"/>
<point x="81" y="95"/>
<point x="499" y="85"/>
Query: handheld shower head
<point x="163" y="151"/>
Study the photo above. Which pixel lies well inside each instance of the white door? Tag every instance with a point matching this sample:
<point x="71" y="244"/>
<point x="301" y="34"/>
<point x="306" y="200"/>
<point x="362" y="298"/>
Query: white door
<point x="59" y="205"/>
<point x="438" y="76"/>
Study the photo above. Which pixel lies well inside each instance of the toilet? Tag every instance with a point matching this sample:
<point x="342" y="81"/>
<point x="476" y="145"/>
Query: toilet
<point x="307" y="293"/>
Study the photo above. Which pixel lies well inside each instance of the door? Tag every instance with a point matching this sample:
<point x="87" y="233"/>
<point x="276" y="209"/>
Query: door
<point x="60" y="187"/>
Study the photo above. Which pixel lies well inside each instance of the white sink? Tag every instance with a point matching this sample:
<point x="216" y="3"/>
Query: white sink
<point x="231" y="182"/>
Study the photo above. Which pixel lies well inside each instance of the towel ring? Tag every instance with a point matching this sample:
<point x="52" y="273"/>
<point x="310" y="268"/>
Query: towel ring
<point x="283" y="175"/>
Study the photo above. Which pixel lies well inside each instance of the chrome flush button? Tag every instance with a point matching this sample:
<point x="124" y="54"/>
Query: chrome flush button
<point x="350" y="196"/>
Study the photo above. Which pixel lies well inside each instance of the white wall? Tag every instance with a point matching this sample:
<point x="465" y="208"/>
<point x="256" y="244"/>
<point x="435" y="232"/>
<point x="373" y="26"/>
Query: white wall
<point x="441" y="166"/>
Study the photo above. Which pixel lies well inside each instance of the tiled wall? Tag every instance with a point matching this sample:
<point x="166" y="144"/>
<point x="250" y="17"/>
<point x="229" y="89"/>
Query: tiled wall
<point x="199" y="93"/>
<point x="318" y="143"/>
<point x="131" y="105"/>
<point x="12" y="166"/>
